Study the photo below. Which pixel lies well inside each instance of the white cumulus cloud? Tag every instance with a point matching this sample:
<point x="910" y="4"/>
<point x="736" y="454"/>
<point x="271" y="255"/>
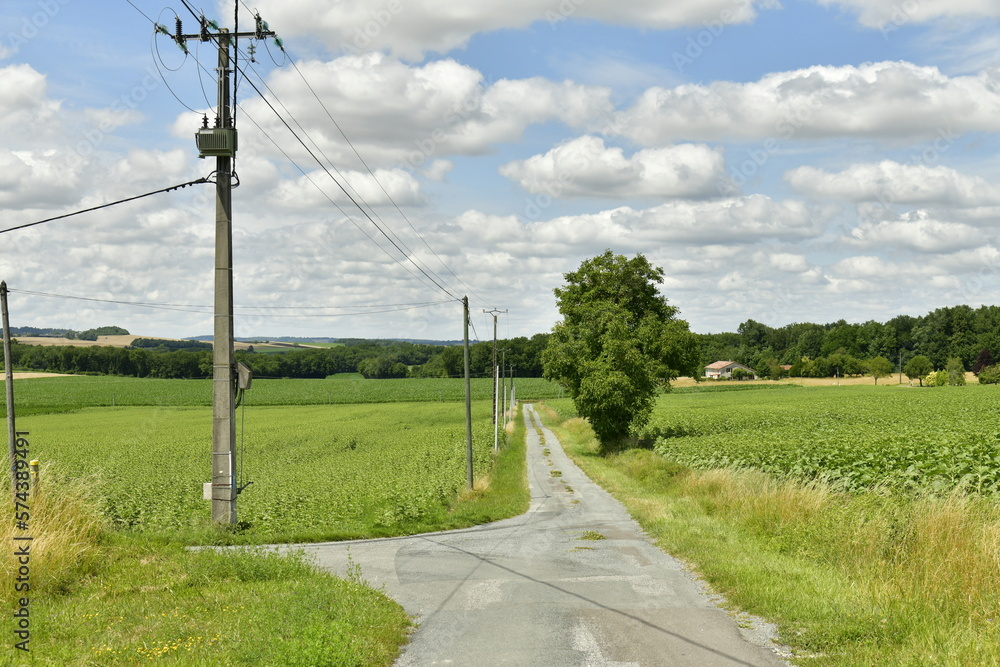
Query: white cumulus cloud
<point x="395" y="114"/>
<point x="891" y="182"/>
<point x="917" y="231"/>
<point x="586" y="167"/>
<point x="876" y="100"/>
<point x="884" y="14"/>
<point x="410" y="28"/>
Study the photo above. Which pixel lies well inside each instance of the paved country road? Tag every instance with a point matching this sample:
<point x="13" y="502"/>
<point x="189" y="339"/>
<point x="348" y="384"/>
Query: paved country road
<point x="529" y="591"/>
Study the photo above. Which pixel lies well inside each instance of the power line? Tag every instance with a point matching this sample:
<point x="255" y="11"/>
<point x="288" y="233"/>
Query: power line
<point x="140" y="11"/>
<point x="400" y="246"/>
<point x="204" y="309"/>
<point x="330" y="199"/>
<point x="348" y="194"/>
<point x="345" y="180"/>
<point x="182" y="308"/>
<point x="197" y="60"/>
<point x="363" y="162"/>
<point x="114" y="203"/>
<point x="405" y="253"/>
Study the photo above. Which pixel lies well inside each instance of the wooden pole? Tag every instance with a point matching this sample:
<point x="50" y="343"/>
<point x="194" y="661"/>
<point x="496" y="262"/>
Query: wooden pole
<point x="8" y="383"/>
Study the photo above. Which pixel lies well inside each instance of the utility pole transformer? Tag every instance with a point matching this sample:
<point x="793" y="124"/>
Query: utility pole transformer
<point x="221" y="142"/>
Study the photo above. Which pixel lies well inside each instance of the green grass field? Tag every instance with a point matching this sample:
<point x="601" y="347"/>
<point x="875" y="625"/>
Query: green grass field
<point x="59" y="394"/>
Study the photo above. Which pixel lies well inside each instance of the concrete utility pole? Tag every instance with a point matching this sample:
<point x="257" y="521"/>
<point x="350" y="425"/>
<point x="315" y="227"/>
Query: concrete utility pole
<point x="223" y="387"/>
<point x="468" y="396"/>
<point x="221" y="142"/>
<point x="9" y="384"/>
<point x="494" y="312"/>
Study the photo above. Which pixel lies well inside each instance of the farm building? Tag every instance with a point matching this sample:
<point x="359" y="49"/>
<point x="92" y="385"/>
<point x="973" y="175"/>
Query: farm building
<point x="724" y="369"/>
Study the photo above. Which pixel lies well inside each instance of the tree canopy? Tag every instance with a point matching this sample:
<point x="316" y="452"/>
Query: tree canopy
<point x="618" y="342"/>
<point x="918" y="367"/>
<point x="879" y="367"/>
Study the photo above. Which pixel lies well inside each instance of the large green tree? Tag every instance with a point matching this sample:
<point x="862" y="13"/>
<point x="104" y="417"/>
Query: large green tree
<point x="879" y="367"/>
<point x="918" y="367"/>
<point x="618" y="343"/>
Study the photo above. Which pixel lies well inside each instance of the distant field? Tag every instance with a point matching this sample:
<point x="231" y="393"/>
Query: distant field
<point x="57" y="394"/>
<point x="807" y="382"/>
<point x="112" y="341"/>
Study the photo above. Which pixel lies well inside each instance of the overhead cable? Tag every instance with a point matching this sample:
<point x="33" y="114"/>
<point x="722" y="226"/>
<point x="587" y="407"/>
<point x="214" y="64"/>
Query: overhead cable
<point x="348" y="194"/>
<point x="196" y="308"/>
<point x="114" y="203"/>
<point x="375" y="178"/>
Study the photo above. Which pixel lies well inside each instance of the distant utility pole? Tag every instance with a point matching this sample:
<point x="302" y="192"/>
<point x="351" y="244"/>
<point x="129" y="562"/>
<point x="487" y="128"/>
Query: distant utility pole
<point x="220" y="142"/>
<point x="504" y="374"/>
<point x="494" y="312"/>
<point x="503" y="385"/>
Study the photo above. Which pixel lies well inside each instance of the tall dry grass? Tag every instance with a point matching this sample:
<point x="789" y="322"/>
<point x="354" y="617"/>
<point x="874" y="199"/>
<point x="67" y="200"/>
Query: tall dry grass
<point x="65" y="526"/>
<point x="927" y="568"/>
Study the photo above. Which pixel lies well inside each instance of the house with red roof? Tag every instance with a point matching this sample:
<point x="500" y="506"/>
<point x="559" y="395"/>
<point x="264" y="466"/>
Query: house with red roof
<point x="724" y="369"/>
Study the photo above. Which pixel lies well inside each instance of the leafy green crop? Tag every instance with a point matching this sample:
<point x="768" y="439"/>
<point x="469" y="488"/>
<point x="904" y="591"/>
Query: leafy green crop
<point x="914" y="440"/>
<point x="317" y="471"/>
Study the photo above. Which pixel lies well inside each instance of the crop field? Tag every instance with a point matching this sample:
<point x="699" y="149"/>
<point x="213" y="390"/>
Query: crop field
<point x="40" y="395"/>
<point x="904" y="439"/>
<point x="316" y="470"/>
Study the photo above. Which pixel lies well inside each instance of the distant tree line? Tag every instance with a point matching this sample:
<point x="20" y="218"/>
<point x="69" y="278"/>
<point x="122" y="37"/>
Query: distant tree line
<point x="821" y="350"/>
<point x="107" y="360"/>
<point x="373" y="359"/>
<point x="161" y="345"/>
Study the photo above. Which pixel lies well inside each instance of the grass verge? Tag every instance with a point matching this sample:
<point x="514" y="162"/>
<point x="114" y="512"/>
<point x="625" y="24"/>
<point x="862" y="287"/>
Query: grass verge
<point x="99" y="598"/>
<point x="850" y="579"/>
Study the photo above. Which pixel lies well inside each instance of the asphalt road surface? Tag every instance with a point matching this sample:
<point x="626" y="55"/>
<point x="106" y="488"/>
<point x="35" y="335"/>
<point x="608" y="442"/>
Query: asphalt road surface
<point x="534" y="591"/>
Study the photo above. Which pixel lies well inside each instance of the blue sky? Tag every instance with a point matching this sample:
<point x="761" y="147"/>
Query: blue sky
<point x="804" y="160"/>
